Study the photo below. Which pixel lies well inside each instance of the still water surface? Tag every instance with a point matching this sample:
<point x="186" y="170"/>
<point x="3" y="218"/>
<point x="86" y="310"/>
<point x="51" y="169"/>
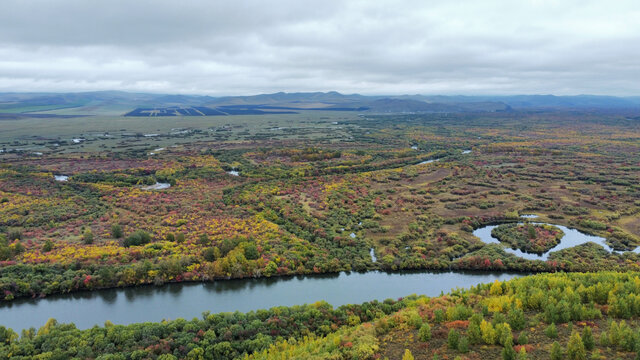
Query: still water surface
<point x="572" y="237"/>
<point x="188" y="300"/>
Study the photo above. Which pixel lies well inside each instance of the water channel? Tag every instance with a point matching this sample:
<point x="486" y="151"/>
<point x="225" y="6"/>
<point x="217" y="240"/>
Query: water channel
<point x="188" y="300"/>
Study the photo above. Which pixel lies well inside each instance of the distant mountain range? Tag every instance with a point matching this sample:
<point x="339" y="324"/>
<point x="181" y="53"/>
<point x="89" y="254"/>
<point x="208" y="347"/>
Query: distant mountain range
<point x="15" y="105"/>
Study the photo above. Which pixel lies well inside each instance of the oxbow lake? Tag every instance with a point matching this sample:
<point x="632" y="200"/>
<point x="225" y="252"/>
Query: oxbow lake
<point x="572" y="237"/>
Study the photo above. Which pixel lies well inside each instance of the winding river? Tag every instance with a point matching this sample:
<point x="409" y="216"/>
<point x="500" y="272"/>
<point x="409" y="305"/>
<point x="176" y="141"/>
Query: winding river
<point x="188" y="300"/>
<point x="571" y="238"/>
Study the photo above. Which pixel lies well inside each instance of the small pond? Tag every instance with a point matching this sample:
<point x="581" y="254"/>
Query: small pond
<point x="157" y="186"/>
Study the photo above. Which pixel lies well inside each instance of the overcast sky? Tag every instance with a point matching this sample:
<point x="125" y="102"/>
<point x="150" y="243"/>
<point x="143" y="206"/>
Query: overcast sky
<point x="232" y="47"/>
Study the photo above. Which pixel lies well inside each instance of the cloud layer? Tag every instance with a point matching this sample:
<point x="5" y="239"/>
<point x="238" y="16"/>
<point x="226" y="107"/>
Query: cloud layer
<point x="369" y="47"/>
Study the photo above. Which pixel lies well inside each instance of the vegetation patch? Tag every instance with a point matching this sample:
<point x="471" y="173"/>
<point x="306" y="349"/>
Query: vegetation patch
<point x="530" y="238"/>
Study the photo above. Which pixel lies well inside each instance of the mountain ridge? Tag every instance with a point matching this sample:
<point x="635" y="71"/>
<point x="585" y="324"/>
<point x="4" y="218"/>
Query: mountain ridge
<point x="120" y="102"/>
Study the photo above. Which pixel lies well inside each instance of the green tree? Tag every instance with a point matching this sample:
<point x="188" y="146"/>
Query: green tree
<point x="463" y="345"/>
<point x="508" y="353"/>
<point x="475" y="335"/>
<point x="48" y="245"/>
<point x="87" y="236"/>
<point x="556" y="351"/>
<point x="453" y="339"/>
<point x="196" y="354"/>
<point x="116" y="231"/>
<point x="523" y="338"/>
<point x="140" y="237"/>
<point x="587" y="338"/>
<point x="251" y="252"/>
<point x="167" y="357"/>
<point x="516" y="319"/>
<point x="504" y="333"/>
<point x="7" y="336"/>
<point x="551" y="331"/>
<point x="271" y="269"/>
<point x="425" y="332"/>
<point x="211" y="253"/>
<point x="203" y="239"/>
<point x="575" y="348"/>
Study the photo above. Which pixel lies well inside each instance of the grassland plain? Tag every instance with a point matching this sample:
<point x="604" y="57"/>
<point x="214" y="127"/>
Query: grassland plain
<point x="269" y="195"/>
<point x="310" y="199"/>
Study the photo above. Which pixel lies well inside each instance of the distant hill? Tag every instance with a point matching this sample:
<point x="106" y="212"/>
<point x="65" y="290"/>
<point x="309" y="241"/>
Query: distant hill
<point x="203" y="111"/>
<point x="141" y="104"/>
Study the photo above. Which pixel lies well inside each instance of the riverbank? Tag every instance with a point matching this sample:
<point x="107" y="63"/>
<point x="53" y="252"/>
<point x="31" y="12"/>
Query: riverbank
<point x="187" y="300"/>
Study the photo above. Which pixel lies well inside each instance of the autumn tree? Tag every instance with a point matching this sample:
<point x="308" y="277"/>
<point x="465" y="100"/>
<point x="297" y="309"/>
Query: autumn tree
<point x="575" y="348"/>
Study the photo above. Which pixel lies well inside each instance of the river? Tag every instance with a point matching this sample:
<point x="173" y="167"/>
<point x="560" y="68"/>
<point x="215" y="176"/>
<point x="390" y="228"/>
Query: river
<point x="188" y="300"/>
<point x="572" y="237"/>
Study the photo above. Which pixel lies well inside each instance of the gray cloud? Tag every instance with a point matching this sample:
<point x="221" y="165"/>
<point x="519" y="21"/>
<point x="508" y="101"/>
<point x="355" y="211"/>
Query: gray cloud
<point x="370" y="47"/>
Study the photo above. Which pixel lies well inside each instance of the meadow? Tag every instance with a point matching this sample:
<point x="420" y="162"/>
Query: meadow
<point x="309" y="193"/>
<point x="311" y="197"/>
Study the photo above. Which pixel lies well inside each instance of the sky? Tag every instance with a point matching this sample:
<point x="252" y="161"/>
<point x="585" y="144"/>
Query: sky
<point x="238" y="47"/>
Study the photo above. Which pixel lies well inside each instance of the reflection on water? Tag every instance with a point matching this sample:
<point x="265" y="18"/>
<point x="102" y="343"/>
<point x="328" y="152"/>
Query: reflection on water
<point x="188" y="300"/>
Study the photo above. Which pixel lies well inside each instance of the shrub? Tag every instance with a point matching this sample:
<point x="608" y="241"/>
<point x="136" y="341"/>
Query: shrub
<point x="463" y="345"/>
<point x="517" y="319"/>
<point x="551" y="331"/>
<point x="556" y="351"/>
<point x="407" y="355"/>
<point x="203" y="239"/>
<point x="473" y="331"/>
<point x="504" y="334"/>
<point x="508" y="353"/>
<point x="459" y="312"/>
<point x="522" y="355"/>
<point x="425" y="332"/>
<point x="251" y="252"/>
<point x="211" y="253"/>
<point x="453" y="339"/>
<point x="523" y="339"/>
<point x="116" y="231"/>
<point x="140" y="237"/>
<point x="87" y="236"/>
<point x="14" y="235"/>
<point x="587" y="338"/>
<point x="48" y="246"/>
<point x="489" y="335"/>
